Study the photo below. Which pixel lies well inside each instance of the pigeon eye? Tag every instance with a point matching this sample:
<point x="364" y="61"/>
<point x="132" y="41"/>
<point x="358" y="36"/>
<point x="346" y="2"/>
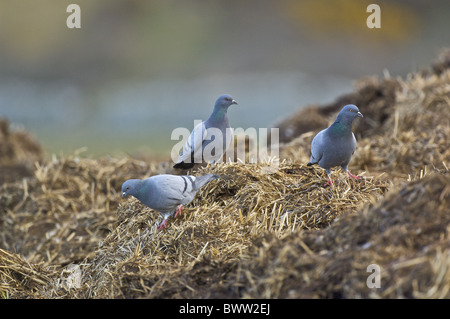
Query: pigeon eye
<point x="351" y="110"/>
<point x="227" y="99"/>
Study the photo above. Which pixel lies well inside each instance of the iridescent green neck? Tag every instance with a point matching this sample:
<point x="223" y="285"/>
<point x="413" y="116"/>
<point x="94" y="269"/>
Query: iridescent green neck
<point x="142" y="189"/>
<point x="218" y="114"/>
<point x="341" y="127"/>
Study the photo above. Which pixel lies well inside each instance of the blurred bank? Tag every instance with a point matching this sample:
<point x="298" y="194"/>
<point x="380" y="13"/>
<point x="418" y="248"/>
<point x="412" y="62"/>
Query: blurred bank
<point x="136" y="70"/>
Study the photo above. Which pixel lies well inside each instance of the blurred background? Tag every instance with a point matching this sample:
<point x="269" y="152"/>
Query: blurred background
<point x="136" y="70"/>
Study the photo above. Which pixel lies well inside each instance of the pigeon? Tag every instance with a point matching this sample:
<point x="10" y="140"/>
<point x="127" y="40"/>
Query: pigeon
<point x="166" y="193"/>
<point x="203" y="134"/>
<point x="335" y="145"/>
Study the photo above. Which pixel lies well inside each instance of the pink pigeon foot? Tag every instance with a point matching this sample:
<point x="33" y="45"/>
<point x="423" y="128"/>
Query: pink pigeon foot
<point x="163" y="224"/>
<point x="353" y="176"/>
<point x="179" y="208"/>
<point x="330" y="182"/>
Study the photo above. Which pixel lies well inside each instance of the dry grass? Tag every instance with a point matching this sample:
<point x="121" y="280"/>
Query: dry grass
<point x="260" y="231"/>
<point x="18" y="153"/>
<point x="416" y="134"/>
<point x="222" y="222"/>
<point x="19" y="278"/>
<point x="411" y="136"/>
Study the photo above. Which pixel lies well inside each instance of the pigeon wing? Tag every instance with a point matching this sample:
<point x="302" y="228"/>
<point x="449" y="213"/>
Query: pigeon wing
<point x="317" y="148"/>
<point x="172" y="190"/>
<point x="354" y="143"/>
<point x="194" y="143"/>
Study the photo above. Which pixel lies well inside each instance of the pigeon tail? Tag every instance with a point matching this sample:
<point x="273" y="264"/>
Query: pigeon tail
<point x="183" y="165"/>
<point x="202" y="180"/>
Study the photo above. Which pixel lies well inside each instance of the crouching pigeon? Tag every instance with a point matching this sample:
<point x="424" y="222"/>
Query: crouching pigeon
<point x="166" y="193"/>
<point x="335" y="145"/>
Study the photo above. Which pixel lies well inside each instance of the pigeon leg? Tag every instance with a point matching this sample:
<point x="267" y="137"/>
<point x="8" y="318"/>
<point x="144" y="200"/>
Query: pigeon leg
<point x="163" y="224"/>
<point x="179" y="208"/>
<point x="330" y="182"/>
<point x="353" y="176"/>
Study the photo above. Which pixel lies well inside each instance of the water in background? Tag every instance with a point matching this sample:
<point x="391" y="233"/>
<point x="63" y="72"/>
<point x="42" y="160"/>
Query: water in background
<point x="133" y="116"/>
<point x="138" y="69"/>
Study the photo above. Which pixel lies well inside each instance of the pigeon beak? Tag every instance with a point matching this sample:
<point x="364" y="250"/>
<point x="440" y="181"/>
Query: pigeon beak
<point x="359" y="114"/>
<point x="124" y="194"/>
<point x="234" y="102"/>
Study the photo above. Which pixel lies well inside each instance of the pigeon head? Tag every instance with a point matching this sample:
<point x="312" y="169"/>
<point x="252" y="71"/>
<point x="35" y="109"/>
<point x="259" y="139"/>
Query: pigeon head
<point x="348" y="114"/>
<point x="224" y="101"/>
<point x="131" y="187"/>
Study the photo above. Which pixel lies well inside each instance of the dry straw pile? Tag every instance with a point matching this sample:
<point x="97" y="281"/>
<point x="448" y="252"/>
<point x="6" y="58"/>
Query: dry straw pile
<point x="261" y="230"/>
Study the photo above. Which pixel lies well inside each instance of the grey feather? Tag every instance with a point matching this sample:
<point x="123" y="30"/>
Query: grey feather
<point x="335" y="145"/>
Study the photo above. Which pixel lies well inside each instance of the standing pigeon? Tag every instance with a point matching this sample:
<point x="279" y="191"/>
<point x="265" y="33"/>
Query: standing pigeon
<point x="166" y="193"/>
<point x="203" y="134"/>
<point x="335" y="145"/>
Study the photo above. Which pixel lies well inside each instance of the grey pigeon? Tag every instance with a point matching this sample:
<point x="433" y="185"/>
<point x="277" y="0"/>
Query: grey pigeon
<point x="204" y="133"/>
<point x="335" y="145"/>
<point x="166" y="193"/>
